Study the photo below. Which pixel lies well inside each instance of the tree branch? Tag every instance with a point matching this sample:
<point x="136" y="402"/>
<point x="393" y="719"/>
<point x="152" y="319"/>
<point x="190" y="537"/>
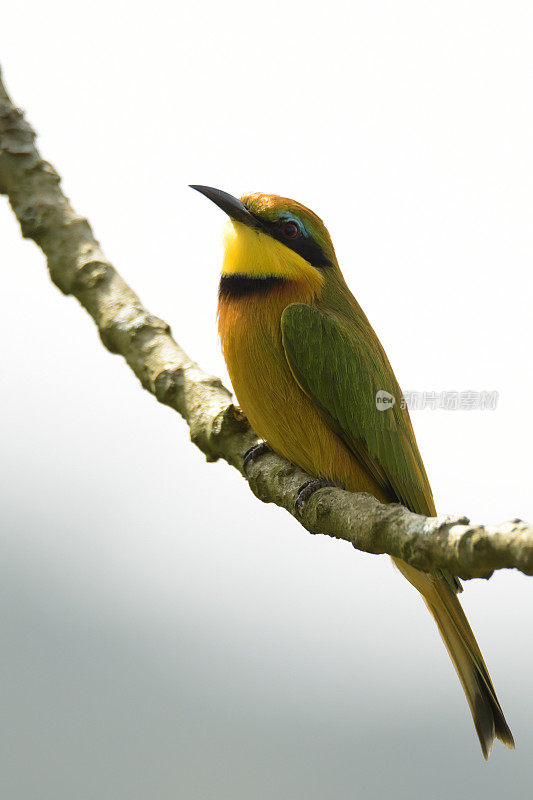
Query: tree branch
<point x="79" y="267"/>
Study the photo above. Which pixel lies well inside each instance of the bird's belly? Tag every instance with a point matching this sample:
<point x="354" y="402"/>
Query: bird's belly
<point x="282" y="414"/>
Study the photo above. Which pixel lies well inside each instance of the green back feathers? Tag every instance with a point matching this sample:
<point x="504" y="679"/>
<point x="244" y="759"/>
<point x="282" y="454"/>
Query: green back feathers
<point x="340" y="364"/>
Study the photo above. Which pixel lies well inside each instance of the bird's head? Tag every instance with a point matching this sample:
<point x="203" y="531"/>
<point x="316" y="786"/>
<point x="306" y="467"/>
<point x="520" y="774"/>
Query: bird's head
<point x="273" y="237"/>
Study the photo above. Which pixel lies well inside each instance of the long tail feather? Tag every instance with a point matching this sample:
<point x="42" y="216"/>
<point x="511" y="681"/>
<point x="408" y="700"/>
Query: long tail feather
<point x="465" y="654"/>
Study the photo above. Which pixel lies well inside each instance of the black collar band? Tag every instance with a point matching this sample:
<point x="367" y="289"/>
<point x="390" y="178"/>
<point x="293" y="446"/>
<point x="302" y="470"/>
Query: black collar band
<point x="238" y="285"/>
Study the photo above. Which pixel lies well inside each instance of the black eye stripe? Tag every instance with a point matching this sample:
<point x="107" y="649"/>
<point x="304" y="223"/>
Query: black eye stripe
<point x="305" y="246"/>
<point x="310" y="250"/>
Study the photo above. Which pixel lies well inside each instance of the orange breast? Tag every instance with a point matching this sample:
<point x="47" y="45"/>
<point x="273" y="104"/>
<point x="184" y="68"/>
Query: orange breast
<point x="278" y="410"/>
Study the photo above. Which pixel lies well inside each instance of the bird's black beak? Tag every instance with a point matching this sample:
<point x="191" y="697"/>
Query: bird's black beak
<point x="231" y="205"/>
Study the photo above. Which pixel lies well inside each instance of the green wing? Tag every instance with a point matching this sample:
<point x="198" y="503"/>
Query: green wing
<point x="340" y="365"/>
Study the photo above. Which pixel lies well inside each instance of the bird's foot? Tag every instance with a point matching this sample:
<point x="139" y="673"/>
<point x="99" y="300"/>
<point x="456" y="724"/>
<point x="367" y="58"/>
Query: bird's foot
<point x="253" y="453"/>
<point x="307" y="489"/>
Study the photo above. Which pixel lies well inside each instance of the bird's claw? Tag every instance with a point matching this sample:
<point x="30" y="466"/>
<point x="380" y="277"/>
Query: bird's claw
<point x="254" y="452"/>
<point x="307" y="489"/>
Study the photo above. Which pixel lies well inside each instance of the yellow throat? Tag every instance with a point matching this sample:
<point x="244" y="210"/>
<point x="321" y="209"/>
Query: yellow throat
<point x="257" y="255"/>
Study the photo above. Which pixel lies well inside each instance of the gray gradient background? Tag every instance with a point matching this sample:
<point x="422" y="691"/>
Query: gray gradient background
<point x="162" y="633"/>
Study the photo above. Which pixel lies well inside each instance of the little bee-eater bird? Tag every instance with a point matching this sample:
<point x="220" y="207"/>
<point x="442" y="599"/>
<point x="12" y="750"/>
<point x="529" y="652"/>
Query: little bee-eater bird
<point x="306" y="365"/>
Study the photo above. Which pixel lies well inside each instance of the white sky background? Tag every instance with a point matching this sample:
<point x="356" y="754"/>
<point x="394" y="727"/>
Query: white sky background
<point x="164" y="634"/>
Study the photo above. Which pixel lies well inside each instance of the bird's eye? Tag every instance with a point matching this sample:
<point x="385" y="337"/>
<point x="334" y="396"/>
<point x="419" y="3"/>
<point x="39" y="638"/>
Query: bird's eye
<point x="290" y="230"/>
